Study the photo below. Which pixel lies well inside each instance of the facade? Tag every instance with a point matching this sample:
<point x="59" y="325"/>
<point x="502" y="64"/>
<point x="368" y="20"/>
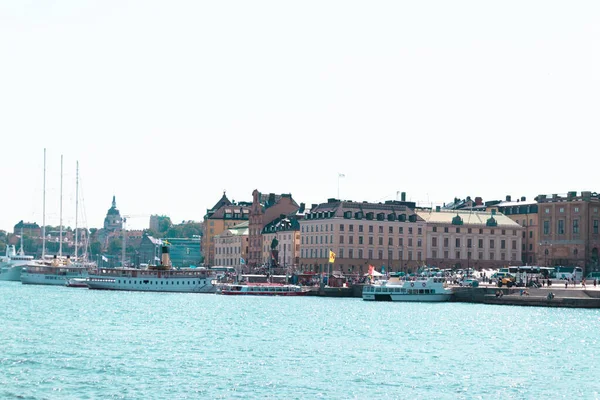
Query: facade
<point x="471" y="239"/>
<point x="222" y="216"/>
<point x="184" y="252"/>
<point x="149" y="250"/>
<point x="231" y="246"/>
<point x="569" y="230"/>
<point x="524" y="213"/>
<point x="391" y="234"/>
<point x="153" y="225"/>
<point x="281" y="242"/>
<point x="265" y="209"/>
<point x="113" y="220"/>
<point x="31" y="229"/>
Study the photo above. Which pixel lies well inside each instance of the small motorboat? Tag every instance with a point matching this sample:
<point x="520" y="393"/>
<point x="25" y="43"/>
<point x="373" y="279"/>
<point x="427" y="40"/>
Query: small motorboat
<point x="76" y="282"/>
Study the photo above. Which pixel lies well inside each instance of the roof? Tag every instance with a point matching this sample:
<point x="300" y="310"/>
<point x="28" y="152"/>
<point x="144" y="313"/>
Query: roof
<point x="468" y="218"/>
<point x="338" y="207"/>
<point x="515" y="203"/>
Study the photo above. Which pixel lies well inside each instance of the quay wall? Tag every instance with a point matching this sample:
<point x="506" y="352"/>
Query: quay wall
<point x="571" y="298"/>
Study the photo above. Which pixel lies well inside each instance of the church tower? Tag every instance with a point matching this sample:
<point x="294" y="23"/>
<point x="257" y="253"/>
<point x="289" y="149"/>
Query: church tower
<point x="113" y="220"/>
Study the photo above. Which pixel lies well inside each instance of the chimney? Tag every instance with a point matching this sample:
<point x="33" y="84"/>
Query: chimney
<point x="523" y="198"/>
<point x="507" y="197"/>
<point x="313" y="206"/>
<point x="165" y="257"/>
<point x="301" y="209"/>
<point x="478" y="201"/>
<point x="403" y="196"/>
<point x="271" y="198"/>
<point x="437" y="208"/>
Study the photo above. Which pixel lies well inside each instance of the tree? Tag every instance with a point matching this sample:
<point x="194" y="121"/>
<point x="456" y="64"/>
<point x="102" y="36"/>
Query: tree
<point x="96" y="248"/>
<point x="164" y="223"/>
<point x="115" y="246"/>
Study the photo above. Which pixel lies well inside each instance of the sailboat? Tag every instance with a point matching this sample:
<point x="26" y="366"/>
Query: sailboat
<point x="12" y="263"/>
<point x="60" y="269"/>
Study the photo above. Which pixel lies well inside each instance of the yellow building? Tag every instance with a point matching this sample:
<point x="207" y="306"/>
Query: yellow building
<point x="222" y="216"/>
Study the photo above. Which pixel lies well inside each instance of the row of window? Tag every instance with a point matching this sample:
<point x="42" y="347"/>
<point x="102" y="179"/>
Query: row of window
<point x="560" y="227"/>
<point x="469" y="244"/>
<point x="322" y="253"/>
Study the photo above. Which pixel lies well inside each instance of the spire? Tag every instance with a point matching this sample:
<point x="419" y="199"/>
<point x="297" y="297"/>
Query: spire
<point x="114" y="203"/>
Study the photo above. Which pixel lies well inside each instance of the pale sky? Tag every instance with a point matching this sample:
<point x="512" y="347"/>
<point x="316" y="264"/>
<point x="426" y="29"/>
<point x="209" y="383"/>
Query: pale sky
<point x="166" y="104"/>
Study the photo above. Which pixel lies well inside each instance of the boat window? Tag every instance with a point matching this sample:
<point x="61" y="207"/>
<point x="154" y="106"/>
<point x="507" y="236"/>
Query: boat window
<point x="421" y="291"/>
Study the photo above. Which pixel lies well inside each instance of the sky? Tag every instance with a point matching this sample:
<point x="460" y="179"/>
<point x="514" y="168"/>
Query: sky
<point x="167" y="104"/>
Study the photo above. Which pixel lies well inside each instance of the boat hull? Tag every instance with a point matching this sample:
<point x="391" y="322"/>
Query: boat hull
<point x="44" y="279"/>
<point x="407" y="297"/>
<point x="152" y="284"/>
<point x="238" y="293"/>
<point x="12" y="273"/>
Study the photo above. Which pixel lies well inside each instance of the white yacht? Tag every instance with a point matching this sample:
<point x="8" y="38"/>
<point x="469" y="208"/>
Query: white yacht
<point x="425" y="289"/>
<point x="156" y="278"/>
<point x="57" y="272"/>
<point x="12" y="263"/>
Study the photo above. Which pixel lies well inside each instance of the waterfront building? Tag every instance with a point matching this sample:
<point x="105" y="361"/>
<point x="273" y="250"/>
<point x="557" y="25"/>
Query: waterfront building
<point x="149" y="250"/>
<point x="223" y="215"/>
<point x="184" y="252"/>
<point x="471" y="239"/>
<point x="389" y="234"/>
<point x="30" y="229"/>
<point x="231" y="246"/>
<point x="524" y="213"/>
<point x="113" y="220"/>
<point x="265" y="209"/>
<point x="569" y="230"/>
<point x="154" y="220"/>
<point x="281" y="242"/>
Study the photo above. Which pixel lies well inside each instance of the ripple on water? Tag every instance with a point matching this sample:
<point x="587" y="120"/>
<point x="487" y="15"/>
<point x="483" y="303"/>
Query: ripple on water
<point x="63" y="343"/>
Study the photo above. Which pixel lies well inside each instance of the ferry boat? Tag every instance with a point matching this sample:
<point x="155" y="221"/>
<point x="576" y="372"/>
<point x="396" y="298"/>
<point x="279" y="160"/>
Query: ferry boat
<point x="12" y="264"/>
<point x="263" y="289"/>
<point x="58" y="272"/>
<point x="425" y="289"/>
<point x="156" y="278"/>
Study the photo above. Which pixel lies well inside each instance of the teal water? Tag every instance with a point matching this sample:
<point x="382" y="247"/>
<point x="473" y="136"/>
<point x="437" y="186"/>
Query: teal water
<point x="69" y="343"/>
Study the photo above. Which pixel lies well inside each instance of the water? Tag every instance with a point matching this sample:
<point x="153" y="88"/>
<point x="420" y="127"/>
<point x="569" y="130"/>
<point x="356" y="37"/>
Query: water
<point x="68" y="343"/>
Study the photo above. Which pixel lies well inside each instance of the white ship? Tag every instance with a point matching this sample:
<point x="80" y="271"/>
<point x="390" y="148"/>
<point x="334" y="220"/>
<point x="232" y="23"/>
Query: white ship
<point x="159" y="278"/>
<point x="12" y="264"/>
<point x="426" y="289"/>
<point x="58" y="272"/>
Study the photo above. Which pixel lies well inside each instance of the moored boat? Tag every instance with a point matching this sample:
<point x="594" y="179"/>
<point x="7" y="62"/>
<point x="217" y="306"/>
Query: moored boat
<point x="263" y="289"/>
<point x="55" y="273"/>
<point x="12" y="264"/>
<point x="157" y="278"/>
<point x="77" y="282"/>
<point x="425" y="289"/>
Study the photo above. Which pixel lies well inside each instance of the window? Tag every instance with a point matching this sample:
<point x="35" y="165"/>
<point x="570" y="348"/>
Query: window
<point x="504" y="231"/>
<point x="401" y="242"/>
<point x="341" y="227"/>
<point x="458" y="254"/>
<point x="595" y="227"/>
<point x="480" y="244"/>
<point x="457" y="243"/>
<point x="457" y="230"/>
<point x="419" y="242"/>
<point x="575" y="226"/>
<point x="360" y="253"/>
<point x="351" y="253"/>
<point x="410" y="242"/>
<point x="445" y="229"/>
<point x="469" y="243"/>
<point x="380" y="253"/>
<point x="481" y="231"/>
<point x="410" y="231"/>
<point x="390" y="241"/>
<point x="350" y="239"/>
<point x="371" y="240"/>
<point x="561" y="227"/>
<point x="434" y="243"/>
<point x="491" y="256"/>
<point x="576" y="209"/>
<point x="435" y="228"/>
<point x="547" y="210"/>
<point x="341" y="239"/>
<point x="434" y="254"/>
<point x="419" y="231"/>
<point x="401" y="230"/>
<point x="391" y="229"/>
<point x="446" y="254"/>
<point x="546" y="227"/>
<point x="469" y="230"/>
<point x="370" y="228"/>
<point x="360" y="240"/>
<point x="561" y="210"/>
<point x="491" y="243"/>
<point x="370" y="254"/>
<point x="380" y="229"/>
<point x="530" y="234"/>
<point x="409" y="255"/>
<point x="514" y="244"/>
<point x="446" y="240"/>
<point x="360" y="228"/>
<point x="341" y="255"/>
<point x="503" y="244"/>
<point x="380" y="241"/>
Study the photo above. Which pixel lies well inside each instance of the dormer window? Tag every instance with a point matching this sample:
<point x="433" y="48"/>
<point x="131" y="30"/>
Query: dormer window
<point x="391" y="217"/>
<point x="380" y="217"/>
<point x="369" y="216"/>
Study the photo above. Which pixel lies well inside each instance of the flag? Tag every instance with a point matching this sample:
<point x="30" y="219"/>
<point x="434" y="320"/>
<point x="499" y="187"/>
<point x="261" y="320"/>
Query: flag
<point x="104" y="258"/>
<point x="383" y="269"/>
<point x="341" y="175"/>
<point x="156" y="259"/>
<point x="331" y="256"/>
<point x="242" y="261"/>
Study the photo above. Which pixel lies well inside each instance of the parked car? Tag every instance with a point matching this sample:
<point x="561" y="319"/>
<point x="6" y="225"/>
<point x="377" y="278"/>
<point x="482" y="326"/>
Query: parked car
<point x="471" y="282"/>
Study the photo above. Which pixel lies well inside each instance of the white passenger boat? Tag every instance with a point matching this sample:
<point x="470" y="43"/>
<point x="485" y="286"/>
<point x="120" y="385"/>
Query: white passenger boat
<point x="12" y="264"/>
<point x="426" y="289"/>
<point x="157" y="278"/>
<point x="263" y="289"/>
<point x="55" y="273"/>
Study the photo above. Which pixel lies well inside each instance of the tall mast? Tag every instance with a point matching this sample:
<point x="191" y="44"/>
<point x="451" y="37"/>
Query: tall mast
<point x="76" y="206"/>
<point x="61" y="191"/>
<point x="44" y="211"/>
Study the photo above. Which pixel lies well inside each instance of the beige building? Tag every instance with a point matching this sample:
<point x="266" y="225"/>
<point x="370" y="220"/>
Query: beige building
<point x="524" y="213"/>
<point x="222" y="216"/>
<point x="471" y="239"/>
<point x="265" y="209"/>
<point x="231" y="246"/>
<point x="569" y="230"/>
<point x="362" y="234"/>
